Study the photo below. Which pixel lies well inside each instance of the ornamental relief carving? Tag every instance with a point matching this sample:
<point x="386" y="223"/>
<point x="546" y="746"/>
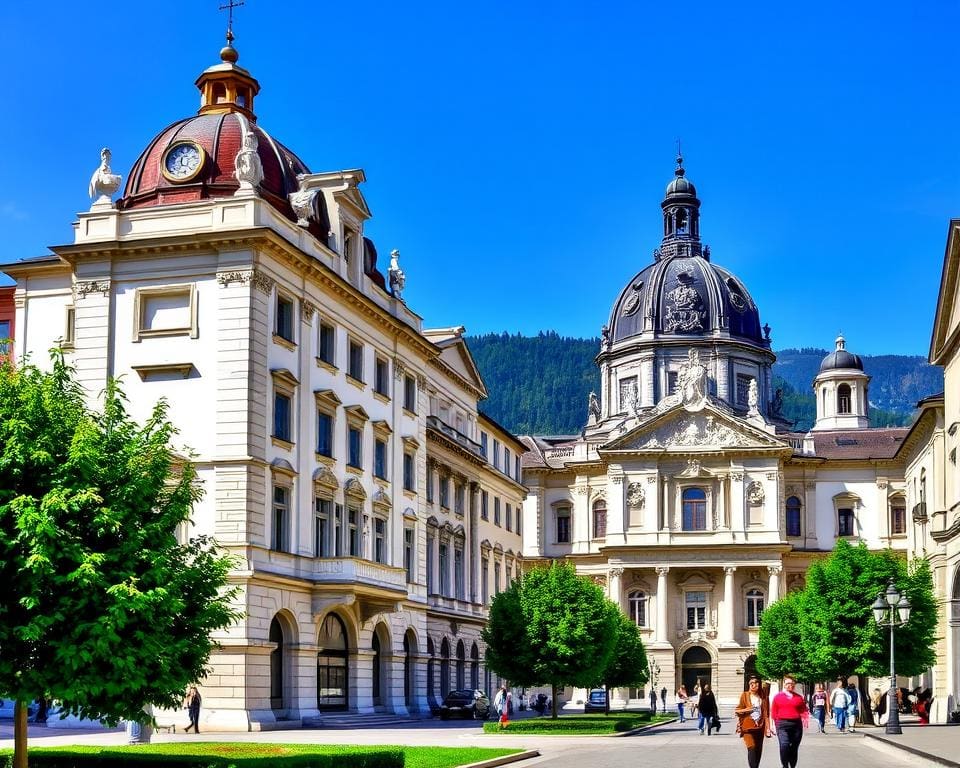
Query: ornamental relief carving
<point x="692" y="431"/>
<point x="82" y="288"/>
<point x="306" y="311"/>
<point x="262" y="282"/>
<point x="399" y="369"/>
<point x="685" y="312"/>
<point x="599" y="580"/>
<point x="635" y="495"/>
<point x="242" y="276"/>
<point x="755" y="493"/>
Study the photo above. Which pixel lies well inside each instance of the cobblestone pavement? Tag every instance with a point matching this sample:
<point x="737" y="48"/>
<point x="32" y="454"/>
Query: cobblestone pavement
<point x="675" y="745"/>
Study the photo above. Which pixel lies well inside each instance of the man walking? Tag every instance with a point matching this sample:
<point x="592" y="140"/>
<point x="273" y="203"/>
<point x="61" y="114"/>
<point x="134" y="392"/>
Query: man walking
<point x="653" y="702"/>
<point x="663" y="699"/>
<point x="839" y="701"/>
<point x="853" y="708"/>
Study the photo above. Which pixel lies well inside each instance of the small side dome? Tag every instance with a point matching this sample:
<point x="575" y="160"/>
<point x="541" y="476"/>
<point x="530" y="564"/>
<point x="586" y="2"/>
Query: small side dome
<point x="680" y="185"/>
<point x="840" y="358"/>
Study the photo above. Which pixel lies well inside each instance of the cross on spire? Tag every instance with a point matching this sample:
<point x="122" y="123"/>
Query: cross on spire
<point x="231" y="4"/>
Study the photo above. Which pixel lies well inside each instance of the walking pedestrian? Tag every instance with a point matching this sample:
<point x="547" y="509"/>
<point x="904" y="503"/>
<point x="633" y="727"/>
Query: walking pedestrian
<point x="753" y="713"/>
<point x="789" y="712"/>
<point x="193" y="709"/>
<point x="839" y="701"/>
<point x="653" y="702"/>
<point x="853" y="707"/>
<point x="681" y="701"/>
<point x="709" y="713"/>
<point x="819" y="700"/>
<point x="663" y="698"/>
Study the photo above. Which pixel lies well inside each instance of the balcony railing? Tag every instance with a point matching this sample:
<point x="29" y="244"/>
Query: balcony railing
<point x="349" y="570"/>
<point x="920" y="512"/>
<point x="435" y="423"/>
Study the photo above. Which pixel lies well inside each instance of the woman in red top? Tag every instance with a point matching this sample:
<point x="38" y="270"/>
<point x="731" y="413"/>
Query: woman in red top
<point x="789" y="712"/>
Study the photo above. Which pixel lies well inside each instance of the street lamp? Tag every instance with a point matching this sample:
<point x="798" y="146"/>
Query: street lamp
<point x="892" y="610"/>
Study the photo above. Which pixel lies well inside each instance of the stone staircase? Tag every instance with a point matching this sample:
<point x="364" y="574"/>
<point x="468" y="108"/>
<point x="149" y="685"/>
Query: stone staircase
<point x="350" y="720"/>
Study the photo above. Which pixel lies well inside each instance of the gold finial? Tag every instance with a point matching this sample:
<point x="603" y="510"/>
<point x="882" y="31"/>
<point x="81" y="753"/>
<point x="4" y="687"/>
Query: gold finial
<point x="228" y="53"/>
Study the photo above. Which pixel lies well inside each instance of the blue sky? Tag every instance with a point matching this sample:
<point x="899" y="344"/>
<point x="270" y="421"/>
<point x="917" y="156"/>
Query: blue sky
<point x="516" y="153"/>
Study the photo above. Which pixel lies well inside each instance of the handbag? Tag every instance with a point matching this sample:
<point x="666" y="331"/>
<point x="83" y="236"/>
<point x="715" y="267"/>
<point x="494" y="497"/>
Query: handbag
<point x="715" y="722"/>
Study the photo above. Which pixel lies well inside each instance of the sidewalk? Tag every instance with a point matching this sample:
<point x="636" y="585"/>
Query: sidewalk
<point x="939" y="743"/>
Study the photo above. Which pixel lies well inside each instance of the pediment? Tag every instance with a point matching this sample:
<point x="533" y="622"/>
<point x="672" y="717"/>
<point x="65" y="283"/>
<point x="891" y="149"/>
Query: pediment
<point x="681" y="430"/>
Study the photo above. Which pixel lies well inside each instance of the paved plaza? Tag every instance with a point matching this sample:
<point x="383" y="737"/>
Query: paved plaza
<point x="674" y="745"/>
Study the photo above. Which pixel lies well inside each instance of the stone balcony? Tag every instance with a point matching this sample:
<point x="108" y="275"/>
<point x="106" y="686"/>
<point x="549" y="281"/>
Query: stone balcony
<point x="353" y="570"/>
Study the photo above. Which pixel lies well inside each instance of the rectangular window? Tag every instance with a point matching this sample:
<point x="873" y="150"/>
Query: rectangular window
<point x="459" y="496"/>
<point x="165" y="311"/>
<point x="409" y="473"/>
<point x="496" y="453"/>
<point x="516" y="468"/>
<point x="484" y="580"/>
<point x="444" y="570"/>
<point x="671" y="382"/>
<point x="5" y="336"/>
<point x="431" y="575"/>
<point x="506" y="461"/>
<point x="355" y="441"/>
<point x="321" y="527"/>
<point x="430" y="482"/>
<point x="483" y="444"/>
<point x="326" y="350"/>
<point x="353" y="532"/>
<point x="379" y="540"/>
<point x="410" y="393"/>
<point x="696" y="610"/>
<point x="284" y="326"/>
<point x="898" y="520"/>
<point x="496" y="577"/>
<point x="484" y="510"/>
<point x="408" y="550"/>
<point x="845" y="522"/>
<point x="337" y="530"/>
<point x="381" y="383"/>
<point x="281" y="515"/>
<point x="496" y="510"/>
<point x="324" y="434"/>
<point x="519" y="517"/>
<point x="355" y="364"/>
<point x="754" y="607"/>
<point x="743" y="389"/>
<point x="281" y="417"/>
<point x="69" y="331"/>
<point x="458" y="573"/>
<point x="508" y="518"/>
<point x="563" y="526"/>
<point x="599" y="522"/>
<point x="444" y="492"/>
<point x="380" y="459"/>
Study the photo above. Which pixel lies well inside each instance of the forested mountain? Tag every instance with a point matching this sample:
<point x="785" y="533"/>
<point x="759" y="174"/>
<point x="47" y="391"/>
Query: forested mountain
<point x="539" y="384"/>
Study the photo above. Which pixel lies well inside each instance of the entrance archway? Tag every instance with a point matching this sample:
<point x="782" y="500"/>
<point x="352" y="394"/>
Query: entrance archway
<point x="431" y="675"/>
<point x="474" y="667"/>
<point x="695" y="666"/>
<point x="376" y="661"/>
<point x="444" y="669"/>
<point x="409" y="649"/>
<point x="461" y="666"/>
<point x="333" y="665"/>
<point x="276" y="665"/>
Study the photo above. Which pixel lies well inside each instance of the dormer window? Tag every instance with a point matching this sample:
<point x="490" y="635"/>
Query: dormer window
<point x="349" y="236"/>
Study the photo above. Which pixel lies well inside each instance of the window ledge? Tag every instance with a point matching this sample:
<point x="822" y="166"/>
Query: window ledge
<point x="408" y="412"/>
<point x="356" y="382"/>
<point x="354" y="470"/>
<point x="327" y="366"/>
<point x="381" y="397"/>
<point x="409" y="494"/>
<point x="321" y="458"/>
<point x="163" y="369"/>
<point x="279" y="442"/>
<point x="283" y="342"/>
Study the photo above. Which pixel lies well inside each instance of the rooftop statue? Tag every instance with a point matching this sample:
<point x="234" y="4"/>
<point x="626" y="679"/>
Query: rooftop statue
<point x="692" y="382"/>
<point x="397" y="277"/>
<point x="249" y="168"/>
<point x="104" y="183"/>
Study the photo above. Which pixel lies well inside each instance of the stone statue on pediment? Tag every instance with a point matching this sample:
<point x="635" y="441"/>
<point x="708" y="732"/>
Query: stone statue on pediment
<point x="692" y="382"/>
<point x="397" y="277"/>
<point x="593" y="408"/>
<point x="248" y="167"/>
<point x="104" y="183"/>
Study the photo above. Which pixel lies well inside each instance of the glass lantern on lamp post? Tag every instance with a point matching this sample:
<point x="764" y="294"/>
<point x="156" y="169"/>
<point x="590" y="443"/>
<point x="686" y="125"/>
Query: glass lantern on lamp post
<point x="891" y="609"/>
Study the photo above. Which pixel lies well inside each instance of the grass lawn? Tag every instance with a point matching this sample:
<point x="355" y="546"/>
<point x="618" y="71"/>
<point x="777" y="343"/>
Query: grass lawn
<point x="240" y="753"/>
<point x="584" y="725"/>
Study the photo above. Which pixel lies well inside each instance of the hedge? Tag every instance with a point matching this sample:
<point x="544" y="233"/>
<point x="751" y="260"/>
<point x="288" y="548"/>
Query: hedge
<point x="133" y="757"/>
<point x="571" y="725"/>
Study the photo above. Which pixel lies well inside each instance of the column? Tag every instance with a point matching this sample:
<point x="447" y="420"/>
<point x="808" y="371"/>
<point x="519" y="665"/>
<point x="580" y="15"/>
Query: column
<point x="773" y="590"/>
<point x="661" y="628"/>
<point x="473" y="541"/>
<point x="722" y="521"/>
<point x="727" y="615"/>
<point x="614" y="585"/>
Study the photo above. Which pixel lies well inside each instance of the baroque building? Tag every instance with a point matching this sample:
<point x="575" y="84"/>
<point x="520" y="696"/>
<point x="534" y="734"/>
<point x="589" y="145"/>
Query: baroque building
<point x="372" y="510"/>
<point x="686" y="495"/>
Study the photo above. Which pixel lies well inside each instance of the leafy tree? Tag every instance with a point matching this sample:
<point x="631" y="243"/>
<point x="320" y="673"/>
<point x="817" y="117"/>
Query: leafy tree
<point x="628" y="662"/>
<point x="568" y="631"/>
<point x="778" y="647"/>
<point x="102" y="610"/>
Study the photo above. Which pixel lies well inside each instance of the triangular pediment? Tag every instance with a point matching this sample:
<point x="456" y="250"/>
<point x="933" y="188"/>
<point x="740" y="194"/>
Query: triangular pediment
<point x="678" y="429"/>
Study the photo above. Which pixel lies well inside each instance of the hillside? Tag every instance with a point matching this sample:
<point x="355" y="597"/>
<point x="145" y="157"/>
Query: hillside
<point x="539" y="384"/>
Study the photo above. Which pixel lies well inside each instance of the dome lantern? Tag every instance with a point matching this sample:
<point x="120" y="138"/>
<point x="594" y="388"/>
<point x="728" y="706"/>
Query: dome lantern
<point x="227" y="87"/>
<point x="681" y="217"/>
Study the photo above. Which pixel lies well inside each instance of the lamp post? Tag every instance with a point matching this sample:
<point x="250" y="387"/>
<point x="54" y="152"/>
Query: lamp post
<point x="891" y="609"/>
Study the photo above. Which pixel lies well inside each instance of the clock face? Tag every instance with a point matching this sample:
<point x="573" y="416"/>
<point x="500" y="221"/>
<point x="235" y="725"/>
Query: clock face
<point x="182" y="161"/>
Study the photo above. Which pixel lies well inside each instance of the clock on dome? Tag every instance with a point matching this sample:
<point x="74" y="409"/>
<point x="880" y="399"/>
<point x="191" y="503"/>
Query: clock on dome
<point x="182" y="161"/>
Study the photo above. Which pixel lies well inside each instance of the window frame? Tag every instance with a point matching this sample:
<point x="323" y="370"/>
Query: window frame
<point x="381" y="376"/>
<point x="327" y="343"/>
<point x="141" y="298"/>
<point x="598" y="519"/>
<point x="355" y="355"/>
<point x="322" y="524"/>
<point x="754" y="604"/>
<point x="280" y="516"/>
<point x="563" y="512"/>
<point x="699" y="620"/>
<point x="410" y="394"/>
<point x="639" y="602"/>
<point x="788" y="510"/>
<point x="690" y="516"/>
<point x="284" y="299"/>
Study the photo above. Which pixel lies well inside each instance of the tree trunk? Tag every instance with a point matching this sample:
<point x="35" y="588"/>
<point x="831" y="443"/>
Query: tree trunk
<point x="606" y="699"/>
<point x="553" y="687"/>
<point x="20" y="734"/>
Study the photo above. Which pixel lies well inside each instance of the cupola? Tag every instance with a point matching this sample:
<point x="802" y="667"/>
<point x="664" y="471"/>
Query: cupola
<point x="227" y="87"/>
<point x="841" y="391"/>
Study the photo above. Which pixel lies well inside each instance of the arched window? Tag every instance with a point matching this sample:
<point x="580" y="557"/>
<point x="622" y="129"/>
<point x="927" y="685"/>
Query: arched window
<point x="793" y="516"/>
<point x="681" y="221"/>
<point x="600" y="519"/>
<point x="754" y="607"/>
<point x="409" y="648"/>
<point x="843" y="398"/>
<point x="563" y="525"/>
<point x="461" y="665"/>
<point x="923" y="487"/>
<point x="276" y="665"/>
<point x="332" y="664"/>
<point x="444" y="668"/>
<point x="431" y="670"/>
<point x="638" y="607"/>
<point x="898" y="516"/>
<point x="955" y="598"/>
<point x="694" y="509"/>
<point x="377" y="676"/>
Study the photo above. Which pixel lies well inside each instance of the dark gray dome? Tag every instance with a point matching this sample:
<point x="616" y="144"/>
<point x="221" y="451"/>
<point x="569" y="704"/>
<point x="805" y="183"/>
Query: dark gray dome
<point x="840" y="358"/>
<point x="686" y="295"/>
<point x="681" y="185"/>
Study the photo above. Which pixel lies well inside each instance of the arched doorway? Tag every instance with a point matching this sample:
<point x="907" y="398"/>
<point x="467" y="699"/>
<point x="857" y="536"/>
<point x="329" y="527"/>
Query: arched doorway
<point x="409" y="649"/>
<point x="444" y="668"/>
<point x="276" y="666"/>
<point x="431" y="675"/>
<point x="749" y="668"/>
<point x="461" y="666"/>
<point x="332" y="664"/>
<point x="474" y="667"/>
<point x="695" y="666"/>
<point x="377" y="662"/>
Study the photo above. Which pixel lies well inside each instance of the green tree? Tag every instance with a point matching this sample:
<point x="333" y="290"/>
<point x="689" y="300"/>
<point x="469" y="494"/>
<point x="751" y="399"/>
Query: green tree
<point x="103" y="610"/>
<point x="628" y="662"/>
<point x="778" y="647"/>
<point x="567" y="632"/>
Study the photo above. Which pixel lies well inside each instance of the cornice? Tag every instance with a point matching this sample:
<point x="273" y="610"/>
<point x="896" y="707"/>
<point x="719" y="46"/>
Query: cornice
<point x="438" y="363"/>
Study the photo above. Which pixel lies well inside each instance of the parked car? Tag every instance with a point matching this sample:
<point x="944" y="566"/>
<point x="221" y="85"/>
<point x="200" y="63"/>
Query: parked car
<point x="465" y="702"/>
<point x="596" y="701"/>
